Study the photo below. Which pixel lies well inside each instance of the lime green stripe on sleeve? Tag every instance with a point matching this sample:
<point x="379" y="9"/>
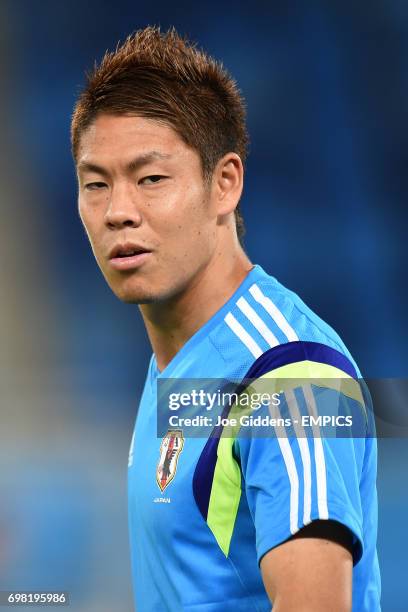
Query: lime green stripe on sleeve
<point x="318" y="374"/>
<point x="225" y="495"/>
<point x="226" y="488"/>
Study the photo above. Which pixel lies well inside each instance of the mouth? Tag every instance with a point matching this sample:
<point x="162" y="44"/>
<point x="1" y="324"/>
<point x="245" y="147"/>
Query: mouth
<point x="128" y="256"/>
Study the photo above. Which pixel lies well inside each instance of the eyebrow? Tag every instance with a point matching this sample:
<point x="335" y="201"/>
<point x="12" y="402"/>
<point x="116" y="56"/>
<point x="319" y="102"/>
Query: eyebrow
<point x="132" y="166"/>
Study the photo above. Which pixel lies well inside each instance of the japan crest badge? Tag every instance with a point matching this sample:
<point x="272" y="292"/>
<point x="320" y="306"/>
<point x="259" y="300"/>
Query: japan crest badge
<point x="170" y="449"/>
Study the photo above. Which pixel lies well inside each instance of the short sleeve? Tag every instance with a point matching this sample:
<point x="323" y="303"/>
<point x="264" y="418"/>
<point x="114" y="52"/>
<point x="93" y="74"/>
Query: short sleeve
<point x="299" y="474"/>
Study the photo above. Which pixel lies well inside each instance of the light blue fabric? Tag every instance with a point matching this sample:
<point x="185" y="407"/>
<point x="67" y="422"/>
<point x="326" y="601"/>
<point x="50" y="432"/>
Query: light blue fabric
<point x="177" y="564"/>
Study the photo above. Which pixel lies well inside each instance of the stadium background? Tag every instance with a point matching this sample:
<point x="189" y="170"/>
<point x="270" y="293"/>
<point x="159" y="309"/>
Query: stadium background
<point x="326" y="213"/>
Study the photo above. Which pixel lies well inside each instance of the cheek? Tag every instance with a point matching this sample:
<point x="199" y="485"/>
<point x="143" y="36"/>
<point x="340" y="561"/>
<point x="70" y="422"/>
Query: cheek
<point x="88" y="229"/>
<point x="187" y="215"/>
<point x="83" y="212"/>
<point x="189" y="239"/>
<point x="89" y="221"/>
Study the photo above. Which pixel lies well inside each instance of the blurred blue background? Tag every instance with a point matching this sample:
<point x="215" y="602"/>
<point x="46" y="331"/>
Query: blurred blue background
<point x="325" y="208"/>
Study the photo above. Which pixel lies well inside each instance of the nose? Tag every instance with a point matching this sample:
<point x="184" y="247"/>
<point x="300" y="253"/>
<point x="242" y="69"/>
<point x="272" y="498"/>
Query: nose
<point x="123" y="210"/>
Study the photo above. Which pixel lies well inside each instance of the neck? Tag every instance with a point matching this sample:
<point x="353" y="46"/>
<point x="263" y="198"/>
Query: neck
<point x="171" y="323"/>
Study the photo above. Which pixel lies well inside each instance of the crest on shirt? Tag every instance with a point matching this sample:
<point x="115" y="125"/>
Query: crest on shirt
<point x="170" y="449"/>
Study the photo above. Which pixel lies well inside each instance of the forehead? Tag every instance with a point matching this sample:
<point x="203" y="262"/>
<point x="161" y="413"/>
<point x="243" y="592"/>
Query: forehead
<point x="118" y="136"/>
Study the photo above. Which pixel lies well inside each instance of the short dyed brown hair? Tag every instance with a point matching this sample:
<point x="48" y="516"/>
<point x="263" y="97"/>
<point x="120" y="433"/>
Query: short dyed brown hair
<point x="160" y="75"/>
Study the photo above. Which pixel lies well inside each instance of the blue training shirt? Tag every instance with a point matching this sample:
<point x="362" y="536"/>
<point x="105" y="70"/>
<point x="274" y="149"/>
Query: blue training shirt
<point x="203" y="512"/>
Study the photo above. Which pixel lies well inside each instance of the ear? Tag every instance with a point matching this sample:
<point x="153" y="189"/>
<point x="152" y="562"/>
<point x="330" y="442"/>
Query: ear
<point x="227" y="183"/>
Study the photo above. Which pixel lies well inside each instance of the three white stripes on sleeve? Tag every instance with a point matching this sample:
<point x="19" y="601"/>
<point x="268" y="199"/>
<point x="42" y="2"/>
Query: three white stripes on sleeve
<point x="320" y="472"/>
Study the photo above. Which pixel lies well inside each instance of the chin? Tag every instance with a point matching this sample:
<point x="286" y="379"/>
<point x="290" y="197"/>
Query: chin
<point x="134" y="297"/>
<point x="135" y="293"/>
<point x="140" y="290"/>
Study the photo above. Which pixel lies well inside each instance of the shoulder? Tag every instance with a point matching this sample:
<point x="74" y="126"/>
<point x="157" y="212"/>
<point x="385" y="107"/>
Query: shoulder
<point x="268" y="318"/>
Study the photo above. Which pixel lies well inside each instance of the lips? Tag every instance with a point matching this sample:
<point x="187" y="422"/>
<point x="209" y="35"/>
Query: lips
<point x="128" y="256"/>
<point x="127" y="250"/>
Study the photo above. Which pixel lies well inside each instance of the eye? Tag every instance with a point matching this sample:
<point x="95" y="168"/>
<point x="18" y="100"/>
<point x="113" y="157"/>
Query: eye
<point x="152" y="179"/>
<point x="94" y="186"/>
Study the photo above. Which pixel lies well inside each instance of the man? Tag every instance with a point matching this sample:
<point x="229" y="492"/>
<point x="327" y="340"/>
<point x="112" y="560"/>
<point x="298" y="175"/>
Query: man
<point x="159" y="141"/>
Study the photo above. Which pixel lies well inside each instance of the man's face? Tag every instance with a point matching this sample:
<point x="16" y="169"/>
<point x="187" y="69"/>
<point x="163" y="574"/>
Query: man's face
<point x="145" y="207"/>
